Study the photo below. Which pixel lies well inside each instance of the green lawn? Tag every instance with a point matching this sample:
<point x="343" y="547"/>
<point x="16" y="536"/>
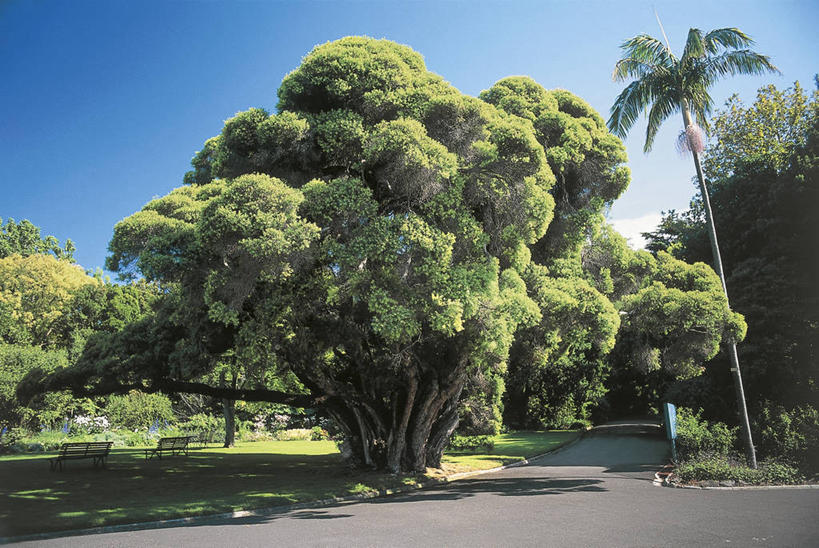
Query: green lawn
<point x="509" y="448"/>
<point x="213" y="480"/>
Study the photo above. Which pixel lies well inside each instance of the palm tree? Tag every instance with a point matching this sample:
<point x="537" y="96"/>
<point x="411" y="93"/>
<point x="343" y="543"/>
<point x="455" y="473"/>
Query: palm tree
<point x="665" y="85"/>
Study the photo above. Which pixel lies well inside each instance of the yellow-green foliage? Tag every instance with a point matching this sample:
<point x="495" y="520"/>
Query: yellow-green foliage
<point x="675" y="314"/>
<point x="681" y="315"/>
<point x="34" y="291"/>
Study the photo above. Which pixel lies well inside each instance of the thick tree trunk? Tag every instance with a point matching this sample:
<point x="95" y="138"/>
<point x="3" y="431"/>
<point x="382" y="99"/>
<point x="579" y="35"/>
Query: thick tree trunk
<point x="442" y="430"/>
<point x="407" y="427"/>
<point x="229" y="410"/>
<point x="742" y="411"/>
<point x="397" y="441"/>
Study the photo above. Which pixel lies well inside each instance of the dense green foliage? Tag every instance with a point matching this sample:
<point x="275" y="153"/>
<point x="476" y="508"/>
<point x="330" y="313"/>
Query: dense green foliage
<point x="24" y="239"/>
<point x="696" y="435"/>
<point x="721" y="469"/>
<point x="135" y="410"/>
<point x="471" y="443"/>
<point x="790" y="436"/>
<point x="48" y="308"/>
<point x="383" y="248"/>
<point x="15" y="362"/>
<point x="674" y="316"/>
<point x="706" y="452"/>
<point x="556" y="365"/>
<point x="766" y="210"/>
<point x="34" y="293"/>
<point x="772" y="129"/>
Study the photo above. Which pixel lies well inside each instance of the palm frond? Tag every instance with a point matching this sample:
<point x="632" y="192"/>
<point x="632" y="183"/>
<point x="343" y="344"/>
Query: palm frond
<point x="727" y="38"/>
<point x="694" y="46"/>
<point x="626" y="109"/>
<point x="629" y="67"/>
<point x="695" y="84"/>
<point x="700" y="103"/>
<point x="649" y="50"/>
<point x="663" y="107"/>
<point x="634" y="99"/>
<point x="738" y="62"/>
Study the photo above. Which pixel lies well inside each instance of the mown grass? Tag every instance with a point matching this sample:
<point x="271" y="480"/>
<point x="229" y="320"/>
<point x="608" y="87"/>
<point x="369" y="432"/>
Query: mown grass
<point x="208" y="481"/>
<point x="508" y="448"/>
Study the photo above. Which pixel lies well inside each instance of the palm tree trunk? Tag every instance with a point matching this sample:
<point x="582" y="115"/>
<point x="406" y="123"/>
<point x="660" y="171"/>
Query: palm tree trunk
<point x="742" y="410"/>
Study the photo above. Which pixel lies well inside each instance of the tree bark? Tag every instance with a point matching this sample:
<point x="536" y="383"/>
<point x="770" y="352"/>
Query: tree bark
<point x="397" y="442"/>
<point x="742" y="410"/>
<point x="229" y="411"/>
<point x="442" y="430"/>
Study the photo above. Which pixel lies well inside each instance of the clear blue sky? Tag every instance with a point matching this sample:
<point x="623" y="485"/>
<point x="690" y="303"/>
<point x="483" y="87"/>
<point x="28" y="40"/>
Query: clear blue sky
<point x="102" y="104"/>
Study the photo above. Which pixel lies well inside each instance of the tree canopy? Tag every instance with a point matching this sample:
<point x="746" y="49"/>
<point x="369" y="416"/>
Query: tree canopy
<point x="764" y="199"/>
<point x="381" y="238"/>
<point x="24" y="239"/>
<point x="34" y="291"/>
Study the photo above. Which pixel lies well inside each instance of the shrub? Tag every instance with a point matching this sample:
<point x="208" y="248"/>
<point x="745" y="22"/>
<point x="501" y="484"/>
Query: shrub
<point x="9" y="438"/>
<point x="319" y="434"/>
<point x="255" y="435"/>
<point x="697" y="436"/>
<point x="722" y="468"/>
<point x="294" y="434"/>
<point x="471" y="443"/>
<point x="47" y="440"/>
<point x="790" y="436"/>
<point x="138" y="410"/>
<point x="207" y="428"/>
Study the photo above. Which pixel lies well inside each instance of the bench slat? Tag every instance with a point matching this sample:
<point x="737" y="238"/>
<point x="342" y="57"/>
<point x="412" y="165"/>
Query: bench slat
<point x="97" y="450"/>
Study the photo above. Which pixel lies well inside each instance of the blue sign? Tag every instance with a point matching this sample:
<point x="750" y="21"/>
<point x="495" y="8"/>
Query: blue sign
<point x="670" y="418"/>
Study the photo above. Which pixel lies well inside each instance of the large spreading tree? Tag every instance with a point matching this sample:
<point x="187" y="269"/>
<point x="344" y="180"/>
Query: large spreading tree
<point x="381" y="238"/>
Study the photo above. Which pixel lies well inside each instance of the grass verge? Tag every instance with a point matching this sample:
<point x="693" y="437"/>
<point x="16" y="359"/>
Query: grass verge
<point x="208" y="481"/>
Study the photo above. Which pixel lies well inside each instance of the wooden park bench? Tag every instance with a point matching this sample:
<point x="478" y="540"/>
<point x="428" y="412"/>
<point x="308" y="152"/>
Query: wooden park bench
<point x="96" y="450"/>
<point x="175" y="446"/>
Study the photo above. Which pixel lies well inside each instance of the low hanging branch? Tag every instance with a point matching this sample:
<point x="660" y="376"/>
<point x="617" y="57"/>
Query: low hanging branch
<point x="39" y="383"/>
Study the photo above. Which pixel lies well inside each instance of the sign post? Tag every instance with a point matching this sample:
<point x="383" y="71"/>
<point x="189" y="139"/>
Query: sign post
<point x="670" y="419"/>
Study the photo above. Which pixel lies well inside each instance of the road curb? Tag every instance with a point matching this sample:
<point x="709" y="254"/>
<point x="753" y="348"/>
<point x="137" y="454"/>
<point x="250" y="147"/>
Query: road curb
<point x="273" y="510"/>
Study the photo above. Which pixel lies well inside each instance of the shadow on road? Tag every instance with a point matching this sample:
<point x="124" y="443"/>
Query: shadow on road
<point x="623" y="453"/>
<point x="505" y="487"/>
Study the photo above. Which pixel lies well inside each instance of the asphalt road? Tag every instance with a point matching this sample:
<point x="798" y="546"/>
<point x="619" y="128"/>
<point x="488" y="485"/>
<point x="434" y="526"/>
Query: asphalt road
<point x="597" y="492"/>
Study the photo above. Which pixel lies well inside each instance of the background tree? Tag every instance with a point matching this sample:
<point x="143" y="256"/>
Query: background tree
<point x="16" y="360"/>
<point x="674" y="317"/>
<point x="770" y="130"/>
<point x="669" y="85"/>
<point x="34" y="292"/>
<point x="765" y="205"/>
<point x="24" y="239"/>
<point x="48" y="308"/>
<point x="556" y="368"/>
